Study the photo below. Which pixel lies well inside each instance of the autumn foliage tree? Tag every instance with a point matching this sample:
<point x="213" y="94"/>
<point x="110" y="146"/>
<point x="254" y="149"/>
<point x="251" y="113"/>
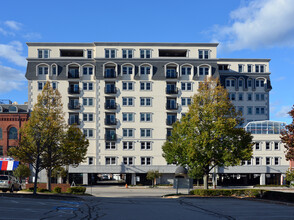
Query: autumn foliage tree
<point x="208" y="135"/>
<point x="287" y="137"/>
<point x="44" y="139"/>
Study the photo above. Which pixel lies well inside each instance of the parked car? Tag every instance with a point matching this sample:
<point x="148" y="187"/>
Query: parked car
<point x="8" y="182"/>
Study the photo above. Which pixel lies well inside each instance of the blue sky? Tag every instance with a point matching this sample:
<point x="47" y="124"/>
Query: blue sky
<point x="244" y="29"/>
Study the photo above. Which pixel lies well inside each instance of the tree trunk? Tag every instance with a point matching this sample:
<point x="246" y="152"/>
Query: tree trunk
<point x="67" y="174"/>
<point x="205" y="181"/>
<point x="36" y="175"/>
<point x="49" y="171"/>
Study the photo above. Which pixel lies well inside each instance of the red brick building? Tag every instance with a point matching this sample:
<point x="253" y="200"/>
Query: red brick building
<point x="12" y="118"/>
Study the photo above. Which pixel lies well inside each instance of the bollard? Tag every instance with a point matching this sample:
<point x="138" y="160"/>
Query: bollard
<point x="126" y="186"/>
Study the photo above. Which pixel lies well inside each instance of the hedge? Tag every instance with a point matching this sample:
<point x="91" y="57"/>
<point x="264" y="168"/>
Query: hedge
<point x="228" y="192"/>
<point x="76" y="190"/>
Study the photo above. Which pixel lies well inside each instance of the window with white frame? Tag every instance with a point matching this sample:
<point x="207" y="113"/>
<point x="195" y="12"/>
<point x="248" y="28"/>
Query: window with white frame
<point x="249" y="96"/>
<point x="249" y="110"/>
<point x="186" y="86"/>
<point x="54" y="70"/>
<point x="259" y="110"/>
<point x="277" y="146"/>
<point x="41" y="85"/>
<point x="43" y="70"/>
<point x="110" y="145"/>
<point x="259" y="96"/>
<point x="145" y="101"/>
<point x="267" y="146"/>
<point x="145" y="132"/>
<point x="87" y="70"/>
<point x="43" y="53"/>
<point x="128" y="132"/>
<point x="249" y="162"/>
<point x="203" y="71"/>
<point x="259" y="68"/>
<point x="126" y="86"/>
<point x="144" y="70"/>
<point x="186" y="101"/>
<point x="110" y="53"/>
<point x="240" y="83"/>
<point x="240" y="96"/>
<point x="240" y="68"/>
<point x="146" y="86"/>
<point x="88" y="117"/>
<point x="127" y="70"/>
<point x="128" y="160"/>
<point x="267" y="161"/>
<point x="88" y="86"/>
<point x="128" y="145"/>
<point x="203" y="54"/>
<point x="249" y="68"/>
<point x="54" y="85"/>
<point x="232" y="96"/>
<point x="89" y="54"/>
<point x="127" y="101"/>
<point x="145" y="53"/>
<point x="90" y="160"/>
<point x="257" y="160"/>
<point x="145" y="160"/>
<point x="186" y="70"/>
<point x="128" y="117"/>
<point x="110" y="160"/>
<point x="230" y="83"/>
<point x="277" y="161"/>
<point x="145" y="117"/>
<point x="127" y="53"/>
<point x="145" y="145"/>
<point x="259" y="83"/>
<point x="257" y="146"/>
<point x="87" y="101"/>
<point x="88" y="132"/>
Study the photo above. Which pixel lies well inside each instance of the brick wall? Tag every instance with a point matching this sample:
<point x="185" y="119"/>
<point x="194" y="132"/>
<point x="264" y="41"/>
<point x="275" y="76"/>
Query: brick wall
<point x="63" y="186"/>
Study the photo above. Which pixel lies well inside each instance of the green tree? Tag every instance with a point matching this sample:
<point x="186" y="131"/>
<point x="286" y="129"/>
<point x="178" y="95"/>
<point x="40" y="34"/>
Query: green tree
<point x="208" y="135"/>
<point x="59" y="172"/>
<point x="287" y="137"/>
<point x="152" y="175"/>
<point x="44" y="137"/>
<point x="290" y="175"/>
<point x="22" y="171"/>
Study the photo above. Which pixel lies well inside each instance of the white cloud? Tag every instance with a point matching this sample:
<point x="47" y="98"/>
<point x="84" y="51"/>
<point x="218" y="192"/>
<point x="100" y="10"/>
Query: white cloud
<point x="283" y="112"/>
<point x="6" y="33"/>
<point x="32" y="36"/>
<point x="11" y="79"/>
<point x="12" y="52"/>
<point x="260" y="24"/>
<point x="13" y="25"/>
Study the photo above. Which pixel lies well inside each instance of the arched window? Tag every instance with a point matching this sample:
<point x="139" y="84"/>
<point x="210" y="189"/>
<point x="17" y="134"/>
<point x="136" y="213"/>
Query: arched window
<point x="1" y="134"/>
<point x="12" y="109"/>
<point x="12" y="134"/>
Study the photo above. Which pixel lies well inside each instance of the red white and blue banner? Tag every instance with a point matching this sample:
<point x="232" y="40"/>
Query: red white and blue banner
<point x="8" y="164"/>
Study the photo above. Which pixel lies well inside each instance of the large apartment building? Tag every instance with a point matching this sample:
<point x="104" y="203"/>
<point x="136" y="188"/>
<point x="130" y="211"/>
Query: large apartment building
<point x="126" y="96"/>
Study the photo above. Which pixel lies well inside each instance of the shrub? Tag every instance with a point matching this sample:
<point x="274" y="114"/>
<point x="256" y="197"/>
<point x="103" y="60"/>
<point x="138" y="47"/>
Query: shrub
<point x="227" y="192"/>
<point x="76" y="190"/>
<point x="42" y="190"/>
<point x="57" y="189"/>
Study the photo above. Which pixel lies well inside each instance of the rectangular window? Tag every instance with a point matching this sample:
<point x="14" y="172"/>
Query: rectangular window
<point x="90" y="160"/>
<point x="88" y="70"/>
<point x="186" y="101"/>
<point x="127" y="101"/>
<point x="145" y="160"/>
<point x="127" y="70"/>
<point x="145" y="53"/>
<point x="186" y="71"/>
<point x="240" y="109"/>
<point x="257" y="160"/>
<point x="88" y="101"/>
<point x="259" y="68"/>
<point x="128" y="145"/>
<point x="259" y="110"/>
<point x="145" y="145"/>
<point x="277" y="146"/>
<point x="203" y="54"/>
<point x="249" y="162"/>
<point x="128" y="117"/>
<point x="240" y="96"/>
<point x="249" y="68"/>
<point x="41" y="85"/>
<point x="89" y="54"/>
<point x="257" y="146"/>
<point x="277" y="160"/>
<point x="249" y="110"/>
<point x="267" y="146"/>
<point x="109" y="53"/>
<point x="88" y="132"/>
<point x="88" y="86"/>
<point x="43" y="70"/>
<point x="268" y="161"/>
<point x="1" y="150"/>
<point x="203" y="71"/>
<point x="249" y="96"/>
<point x="109" y="145"/>
<point x="145" y="132"/>
<point x="127" y="86"/>
<point x="232" y="96"/>
<point x="43" y="53"/>
<point x="87" y="117"/>
<point x="145" y="101"/>
<point x="145" y="117"/>
<point x="128" y="160"/>
<point x="128" y="132"/>
<point x="249" y="83"/>
<point x="110" y="160"/>
<point x="240" y="68"/>
<point x="145" y="70"/>
<point x="54" y="70"/>
<point x="127" y="53"/>
<point x="145" y="86"/>
<point x="187" y="86"/>
<point x="240" y="83"/>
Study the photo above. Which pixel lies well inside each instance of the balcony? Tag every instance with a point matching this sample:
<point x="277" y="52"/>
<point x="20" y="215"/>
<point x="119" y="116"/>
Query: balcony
<point x="110" y="121"/>
<point x="170" y="121"/>
<point x="110" y="90"/>
<point x="171" y="91"/>
<point x="74" y="106"/>
<point x="74" y="121"/>
<point x="171" y="106"/>
<point x="73" y="90"/>
<point x="109" y="73"/>
<point x="110" y="137"/>
<point x="73" y="73"/>
<point x="171" y="74"/>
<point x="110" y="106"/>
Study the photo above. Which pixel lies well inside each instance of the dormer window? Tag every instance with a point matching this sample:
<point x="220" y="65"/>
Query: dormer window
<point x="13" y="109"/>
<point x="203" y="71"/>
<point x="87" y="70"/>
<point x="144" y="70"/>
<point x="1" y="109"/>
<point x="260" y="83"/>
<point x="43" y="53"/>
<point x="127" y="53"/>
<point x="43" y="70"/>
<point x="73" y="72"/>
<point x="186" y="70"/>
<point x="110" y="53"/>
<point x="54" y="70"/>
<point x="240" y="68"/>
<point x="127" y="70"/>
<point x="89" y="54"/>
<point x="203" y="54"/>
